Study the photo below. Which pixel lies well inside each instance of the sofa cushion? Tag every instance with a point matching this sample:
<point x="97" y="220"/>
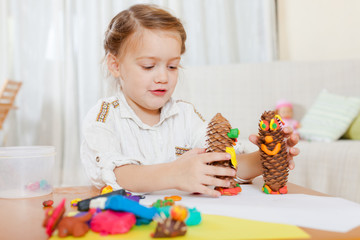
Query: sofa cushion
<point x="329" y="117"/>
<point x="353" y="131"/>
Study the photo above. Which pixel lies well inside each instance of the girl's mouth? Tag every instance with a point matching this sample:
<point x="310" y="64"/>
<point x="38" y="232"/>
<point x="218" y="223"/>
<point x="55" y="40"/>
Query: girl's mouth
<point x="158" y="92"/>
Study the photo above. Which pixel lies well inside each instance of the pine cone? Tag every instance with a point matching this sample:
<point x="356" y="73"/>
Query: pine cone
<point x="170" y="228"/>
<point x="218" y="140"/>
<point x="273" y="151"/>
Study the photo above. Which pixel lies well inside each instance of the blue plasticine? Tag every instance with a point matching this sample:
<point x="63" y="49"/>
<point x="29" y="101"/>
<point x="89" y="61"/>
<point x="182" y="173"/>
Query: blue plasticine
<point x="194" y="217"/>
<point x="142" y="221"/>
<point x="120" y="203"/>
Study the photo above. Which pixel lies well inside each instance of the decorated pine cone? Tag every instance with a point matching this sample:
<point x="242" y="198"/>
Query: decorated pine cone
<point x="170" y="228"/>
<point x="221" y="138"/>
<point x="273" y="153"/>
<point x="217" y="138"/>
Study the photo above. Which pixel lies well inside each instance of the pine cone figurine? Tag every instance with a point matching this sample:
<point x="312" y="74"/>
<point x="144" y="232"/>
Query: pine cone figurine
<point x="172" y="226"/>
<point x="221" y="138"/>
<point x="273" y="153"/>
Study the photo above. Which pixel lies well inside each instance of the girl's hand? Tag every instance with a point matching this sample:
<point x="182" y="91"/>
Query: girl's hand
<point x="192" y="174"/>
<point x="291" y="141"/>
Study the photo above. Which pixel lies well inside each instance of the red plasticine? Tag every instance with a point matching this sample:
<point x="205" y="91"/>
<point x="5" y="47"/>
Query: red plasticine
<point x="229" y="191"/>
<point x="53" y="216"/>
<point x="48" y="203"/>
<point x="111" y="222"/>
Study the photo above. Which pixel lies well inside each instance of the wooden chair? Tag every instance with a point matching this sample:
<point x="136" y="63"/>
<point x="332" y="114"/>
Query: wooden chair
<point x="7" y="97"/>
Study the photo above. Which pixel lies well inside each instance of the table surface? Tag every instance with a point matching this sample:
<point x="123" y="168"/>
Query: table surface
<point x="22" y="218"/>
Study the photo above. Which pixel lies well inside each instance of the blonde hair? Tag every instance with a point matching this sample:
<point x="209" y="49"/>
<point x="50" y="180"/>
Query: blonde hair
<point x="139" y="16"/>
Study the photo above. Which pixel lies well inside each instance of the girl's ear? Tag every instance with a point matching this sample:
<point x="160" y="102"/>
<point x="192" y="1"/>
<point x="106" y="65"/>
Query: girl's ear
<point x="113" y="65"/>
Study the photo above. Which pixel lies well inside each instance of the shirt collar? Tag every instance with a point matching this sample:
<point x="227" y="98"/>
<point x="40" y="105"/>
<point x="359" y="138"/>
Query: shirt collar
<point x="168" y="110"/>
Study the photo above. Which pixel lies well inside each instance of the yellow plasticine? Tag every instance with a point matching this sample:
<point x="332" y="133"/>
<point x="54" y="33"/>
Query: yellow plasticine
<point x="107" y="189"/>
<point x="72" y="214"/>
<point x="212" y="227"/>
<point x="272" y="123"/>
<point x="231" y="151"/>
<point x="75" y="201"/>
<point x="278" y="117"/>
<point x="262" y="123"/>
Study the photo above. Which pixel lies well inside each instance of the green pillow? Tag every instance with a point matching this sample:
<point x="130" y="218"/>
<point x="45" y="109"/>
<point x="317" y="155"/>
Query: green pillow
<point x="353" y="131"/>
<point x="329" y="117"/>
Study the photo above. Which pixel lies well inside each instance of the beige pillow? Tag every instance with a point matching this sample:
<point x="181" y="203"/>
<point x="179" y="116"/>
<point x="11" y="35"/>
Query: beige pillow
<point x="329" y="117"/>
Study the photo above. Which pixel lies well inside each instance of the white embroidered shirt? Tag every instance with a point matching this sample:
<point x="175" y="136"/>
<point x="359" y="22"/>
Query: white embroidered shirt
<point x="113" y="135"/>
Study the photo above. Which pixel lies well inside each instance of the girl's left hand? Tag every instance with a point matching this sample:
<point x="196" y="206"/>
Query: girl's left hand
<point x="291" y="140"/>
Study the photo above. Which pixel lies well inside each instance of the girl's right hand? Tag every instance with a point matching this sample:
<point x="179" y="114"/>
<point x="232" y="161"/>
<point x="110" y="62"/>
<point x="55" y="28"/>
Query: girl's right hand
<point x="192" y="173"/>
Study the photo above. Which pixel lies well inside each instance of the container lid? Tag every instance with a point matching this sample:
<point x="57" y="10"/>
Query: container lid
<point x="26" y="151"/>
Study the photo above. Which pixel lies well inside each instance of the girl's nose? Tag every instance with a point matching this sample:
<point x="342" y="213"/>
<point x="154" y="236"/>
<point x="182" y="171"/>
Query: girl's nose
<point x="162" y="76"/>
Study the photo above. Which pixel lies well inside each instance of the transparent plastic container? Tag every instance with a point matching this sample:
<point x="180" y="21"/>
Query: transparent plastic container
<point x="26" y="171"/>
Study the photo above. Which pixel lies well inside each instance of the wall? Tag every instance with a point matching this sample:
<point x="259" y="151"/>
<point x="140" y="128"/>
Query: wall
<point x="319" y="29"/>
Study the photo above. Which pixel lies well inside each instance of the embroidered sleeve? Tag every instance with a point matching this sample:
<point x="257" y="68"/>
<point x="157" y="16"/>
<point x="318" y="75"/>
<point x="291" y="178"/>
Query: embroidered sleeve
<point x="101" y="147"/>
<point x="104" y="110"/>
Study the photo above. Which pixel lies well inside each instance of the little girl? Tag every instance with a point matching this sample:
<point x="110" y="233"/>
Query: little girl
<point x="141" y="139"/>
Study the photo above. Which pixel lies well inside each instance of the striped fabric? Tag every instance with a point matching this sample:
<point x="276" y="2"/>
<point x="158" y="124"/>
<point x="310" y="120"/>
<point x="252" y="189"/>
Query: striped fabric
<point x="331" y="168"/>
<point x="329" y="117"/>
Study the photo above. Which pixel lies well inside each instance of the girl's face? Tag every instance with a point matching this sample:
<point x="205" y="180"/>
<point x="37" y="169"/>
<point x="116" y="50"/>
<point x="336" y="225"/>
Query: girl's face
<point x="149" y="71"/>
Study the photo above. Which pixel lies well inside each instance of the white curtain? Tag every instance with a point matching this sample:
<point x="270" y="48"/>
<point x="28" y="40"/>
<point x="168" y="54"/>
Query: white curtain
<point x="55" y="48"/>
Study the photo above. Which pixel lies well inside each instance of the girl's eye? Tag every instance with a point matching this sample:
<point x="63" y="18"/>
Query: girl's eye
<point x="274" y="124"/>
<point x="173" y="67"/>
<point x="264" y="125"/>
<point x="147" y="67"/>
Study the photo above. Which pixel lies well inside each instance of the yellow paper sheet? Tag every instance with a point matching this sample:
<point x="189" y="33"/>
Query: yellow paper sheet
<point x="213" y="227"/>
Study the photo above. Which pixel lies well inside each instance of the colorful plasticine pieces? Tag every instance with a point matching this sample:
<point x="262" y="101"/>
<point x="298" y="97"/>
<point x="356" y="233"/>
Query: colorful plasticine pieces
<point x="229" y="191"/>
<point x="38" y="186"/>
<point x="85" y="204"/>
<point x="266" y="189"/>
<point x="75" y="201"/>
<point x="116" y="214"/>
<point x="193" y="218"/>
<point x="121" y="203"/>
<point x="173" y="225"/>
<point x="53" y="216"/>
<point x="163" y="203"/>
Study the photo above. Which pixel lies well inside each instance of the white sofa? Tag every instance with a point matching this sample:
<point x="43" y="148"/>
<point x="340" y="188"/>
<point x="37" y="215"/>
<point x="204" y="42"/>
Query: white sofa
<point x="241" y="92"/>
